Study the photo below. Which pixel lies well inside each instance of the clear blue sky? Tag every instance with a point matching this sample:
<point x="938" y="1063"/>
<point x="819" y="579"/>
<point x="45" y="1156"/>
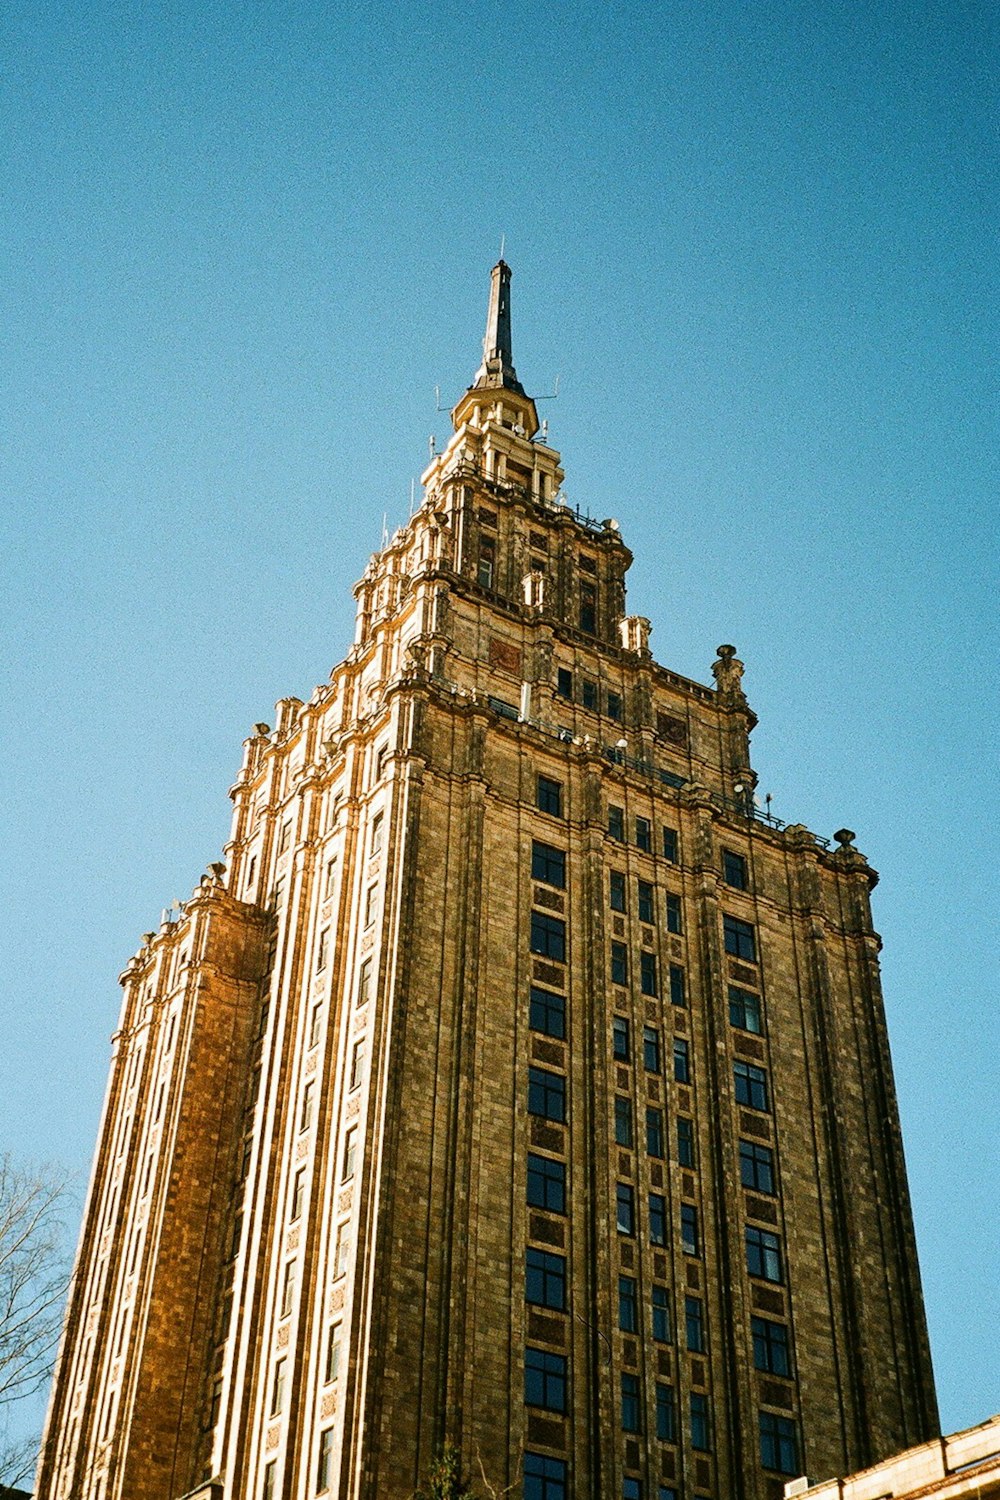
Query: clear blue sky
<point x="242" y="245"/>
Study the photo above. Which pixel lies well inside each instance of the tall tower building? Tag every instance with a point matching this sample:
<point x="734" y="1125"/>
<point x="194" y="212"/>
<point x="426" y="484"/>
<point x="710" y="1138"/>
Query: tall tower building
<point x="514" y="1084"/>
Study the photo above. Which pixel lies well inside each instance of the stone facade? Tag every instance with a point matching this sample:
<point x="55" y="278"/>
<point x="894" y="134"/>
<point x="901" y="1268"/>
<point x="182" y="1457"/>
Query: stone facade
<point x="513" y="1084"/>
<point x="965" y="1466"/>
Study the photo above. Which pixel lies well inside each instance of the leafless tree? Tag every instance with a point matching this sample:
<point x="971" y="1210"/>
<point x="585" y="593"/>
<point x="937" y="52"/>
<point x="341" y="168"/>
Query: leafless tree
<point x="34" y="1266"/>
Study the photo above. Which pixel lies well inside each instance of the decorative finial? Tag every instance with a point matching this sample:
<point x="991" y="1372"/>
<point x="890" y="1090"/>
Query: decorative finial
<point x="845" y="838"/>
<point x="497" y="369"/>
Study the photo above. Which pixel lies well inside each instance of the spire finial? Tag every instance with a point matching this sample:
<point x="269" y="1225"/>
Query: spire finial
<point x="497" y="368"/>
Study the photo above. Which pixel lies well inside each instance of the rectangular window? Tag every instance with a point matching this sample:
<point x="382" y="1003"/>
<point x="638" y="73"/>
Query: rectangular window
<point x="546" y="1183"/>
<point x="306" y="1111"/>
<point x="699" y="1422"/>
<point x="644" y="836"/>
<point x="670" y="845"/>
<point x="673" y="913"/>
<point x="357" y="1062"/>
<point x="278" y="1388"/>
<point x="270" y="1480"/>
<point x="615" y="710"/>
<point x="744" y="1010"/>
<point x="751" y="1085"/>
<point x="350" y="1149"/>
<point x="694" y="1324"/>
<point x="324" y="1461"/>
<point x="616" y="824"/>
<point x="545" y="1279"/>
<point x="487" y="561"/>
<point x="657" y="1219"/>
<point x="548" y="864"/>
<point x="690" y="1243"/>
<point x="757" y="1167"/>
<point x="616" y="890"/>
<point x="365" y="983"/>
<point x="764" y="1254"/>
<point x="631" y="1488"/>
<point x="625" y="1208"/>
<point x="740" y="939"/>
<point x="628" y="1305"/>
<point x="298" y="1194"/>
<point x="332" y="1353"/>
<point x="544" y="1478"/>
<point x="588" y="608"/>
<point x="647" y="973"/>
<point x="378" y="824"/>
<point x="654" y="1131"/>
<point x="770" y="1346"/>
<point x="546" y="1094"/>
<point x="547" y="1012"/>
<point x="564" y="683"/>
<point x="371" y="905"/>
<point x="651" y="1049"/>
<point x="630" y="1403"/>
<point x="548" y="936"/>
<point x="682" y="1061"/>
<point x="623" y="1121"/>
<point x="324" y="939"/>
<point x="778" y="1443"/>
<point x="590" y="694"/>
<point x="620" y="1039"/>
<point x="677" y="991"/>
<point x="288" y="1288"/>
<point x="548" y="796"/>
<point x="734" y="870"/>
<point x="544" y="1379"/>
<point x="284" y="837"/>
<point x="315" y="1023"/>
<point x="661" y="1315"/>
<point x="341" y="1247"/>
<point x="645" y="901"/>
<point x="331" y="875"/>
<point x="666" y="1414"/>
<point x="619" y="963"/>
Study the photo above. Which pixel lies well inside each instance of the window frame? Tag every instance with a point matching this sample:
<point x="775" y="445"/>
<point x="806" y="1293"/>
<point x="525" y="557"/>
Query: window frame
<point x="549" y="1178"/>
<point x="739" y="938"/>
<point x="547" y="1272"/>
<point x="548" y="795"/>
<point x="548" y="864"/>
<point x="547" y="1011"/>
<point x="547" y="1090"/>
<point x="547" y="936"/>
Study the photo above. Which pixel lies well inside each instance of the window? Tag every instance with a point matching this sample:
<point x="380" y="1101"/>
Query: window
<point x="548" y="796"/>
<point x="630" y="1403"/>
<point x="673" y="913"/>
<point x="350" y="1151"/>
<point x="751" y="1085"/>
<point x="546" y="1183"/>
<point x="651" y="1049"/>
<point x="616" y="823"/>
<point x="644" y="836"/>
<point x="677" y="993"/>
<point x="682" y="1061"/>
<point x="740" y="939"/>
<point x="332" y="1353"/>
<point x="324" y="1461"/>
<point x="616" y="890"/>
<point x="778" y="1445"/>
<point x="548" y="936"/>
<point x="548" y="865"/>
<point x="623" y="1121"/>
<point x="588" y="608"/>
<point x="619" y="963"/>
<point x="288" y="1288"/>
<point x="689" y="1229"/>
<point x="699" y="1422"/>
<point x="365" y="983"/>
<point x="770" y="1346"/>
<point x="487" y="561"/>
<point x="744" y="1010"/>
<point x="371" y="904"/>
<point x="734" y="870"/>
<point x="628" y="1305"/>
<point x="694" y="1324"/>
<point x="625" y="1208"/>
<point x="545" y="1279"/>
<point x="324" y="939"/>
<point x="278" y="1388"/>
<point x="270" y="1480"/>
<point x="645" y="901"/>
<point x="757" y="1167"/>
<point x="331" y="875"/>
<point x="654" y="1131"/>
<point x="306" y="1112"/>
<point x="657" y="1219"/>
<point x="631" y="1488"/>
<point x="620" y="1040"/>
<point x="764" y="1254"/>
<point x="670" y="845"/>
<point x="564" y="683"/>
<point x="547" y="1012"/>
<point x="666" y="1414"/>
<point x="341" y="1248"/>
<point x="661" y="1315"/>
<point x="544" y="1379"/>
<point x="298" y="1194"/>
<point x="315" y="1023"/>
<point x="357" y="1062"/>
<point x="666" y="1492"/>
<point x="647" y="973"/>
<point x="544" y="1478"/>
<point x="590" y="694"/>
<point x="284" y="837"/>
<point x="546" y="1094"/>
<point x="615" y="707"/>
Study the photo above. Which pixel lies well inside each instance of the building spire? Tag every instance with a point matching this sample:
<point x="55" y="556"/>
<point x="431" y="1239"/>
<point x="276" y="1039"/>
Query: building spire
<point x="497" y="369"/>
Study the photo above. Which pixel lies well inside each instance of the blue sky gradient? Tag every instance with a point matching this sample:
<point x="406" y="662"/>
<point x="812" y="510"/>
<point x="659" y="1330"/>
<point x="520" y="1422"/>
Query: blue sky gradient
<point x="757" y="243"/>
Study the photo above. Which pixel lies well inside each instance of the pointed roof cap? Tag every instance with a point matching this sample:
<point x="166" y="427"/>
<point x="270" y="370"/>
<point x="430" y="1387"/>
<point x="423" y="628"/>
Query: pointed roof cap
<point x="497" y="369"/>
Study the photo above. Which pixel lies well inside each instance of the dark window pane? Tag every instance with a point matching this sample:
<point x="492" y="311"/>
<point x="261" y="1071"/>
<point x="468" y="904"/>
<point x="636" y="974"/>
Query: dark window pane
<point x="544" y="1379"/>
<point x="757" y="1167"/>
<point x="645" y="901"/>
<point x="546" y="1183"/>
<point x="689" y="1229"/>
<point x="545" y="1279"/>
<point x="647" y="973"/>
<point x="548" y="936"/>
<point x="548" y="864"/>
<point x="549" y="796"/>
<point x="751" y="1085"/>
<point x="643" y="834"/>
<point x="630" y="1403"/>
<point x="547" y="1012"/>
<point x="778" y="1443"/>
<point x="685" y="1141"/>
<point x="544" y="1478"/>
<point x="770" y="1346"/>
<point x="619" y="1032"/>
<point x="677" y="995"/>
<point x="694" y="1324"/>
<point x="616" y="890"/>
<point x="661" y="1315"/>
<point x="628" y="1305"/>
<point x="744" y="1010"/>
<point x="670" y="845"/>
<point x="651" y="1049"/>
<point x="734" y="870"/>
<point x="615" y="707"/>
<point x="564" y="683"/>
<point x="589" y="694"/>
<point x="699" y="1422"/>
<point x="657" y="1219"/>
<point x="764" y="1254"/>
<point x="546" y="1094"/>
<point x="673" y="913"/>
<point x="619" y="963"/>
<point x="682" y="1061"/>
<point x="616" y="823"/>
<point x="624" y="1208"/>
<point x="666" y="1414"/>
<point x="740" y="939"/>
<point x="654" y="1131"/>
<point x="623" y="1121"/>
